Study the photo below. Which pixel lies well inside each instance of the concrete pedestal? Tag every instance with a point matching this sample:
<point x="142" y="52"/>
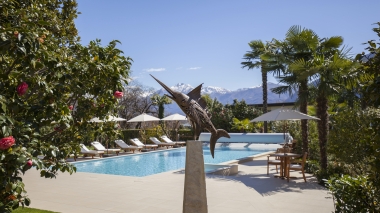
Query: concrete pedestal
<point x="194" y="198"/>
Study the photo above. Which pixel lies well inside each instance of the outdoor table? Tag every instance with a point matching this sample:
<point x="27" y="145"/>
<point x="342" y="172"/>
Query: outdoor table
<point x="284" y="158"/>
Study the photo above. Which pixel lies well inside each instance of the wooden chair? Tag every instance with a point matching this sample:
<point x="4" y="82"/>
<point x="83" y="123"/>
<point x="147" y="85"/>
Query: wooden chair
<point x="298" y="167"/>
<point x="277" y="160"/>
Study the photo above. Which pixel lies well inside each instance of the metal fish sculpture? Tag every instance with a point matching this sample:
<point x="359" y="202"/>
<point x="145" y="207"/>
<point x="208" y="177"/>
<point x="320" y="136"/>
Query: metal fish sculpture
<point x="195" y="108"/>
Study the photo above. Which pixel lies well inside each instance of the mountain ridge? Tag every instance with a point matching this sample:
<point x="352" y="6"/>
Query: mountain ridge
<point x="251" y="95"/>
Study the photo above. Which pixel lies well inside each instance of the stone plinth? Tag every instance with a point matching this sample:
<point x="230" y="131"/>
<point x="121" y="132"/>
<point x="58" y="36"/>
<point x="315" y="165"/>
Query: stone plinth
<point x="194" y="198"/>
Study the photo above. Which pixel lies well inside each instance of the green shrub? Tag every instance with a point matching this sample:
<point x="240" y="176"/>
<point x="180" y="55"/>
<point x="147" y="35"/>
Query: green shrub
<point x="353" y="139"/>
<point x="354" y="194"/>
<point x="334" y="169"/>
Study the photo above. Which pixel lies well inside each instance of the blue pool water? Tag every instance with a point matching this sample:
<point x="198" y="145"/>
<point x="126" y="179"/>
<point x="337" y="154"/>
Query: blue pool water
<point x="141" y="165"/>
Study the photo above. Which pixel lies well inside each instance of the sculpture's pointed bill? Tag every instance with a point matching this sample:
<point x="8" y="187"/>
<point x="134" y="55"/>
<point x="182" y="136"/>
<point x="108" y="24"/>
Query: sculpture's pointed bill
<point x="170" y="91"/>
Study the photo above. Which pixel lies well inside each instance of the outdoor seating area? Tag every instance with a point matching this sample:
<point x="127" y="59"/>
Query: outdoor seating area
<point x="99" y="150"/>
<point x="282" y="159"/>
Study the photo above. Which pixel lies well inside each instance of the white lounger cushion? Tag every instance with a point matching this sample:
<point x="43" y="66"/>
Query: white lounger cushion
<point x="167" y="140"/>
<point x="137" y="142"/>
<point x="123" y="145"/>
<point x="85" y="150"/>
<point x="158" y="142"/>
<point x="98" y="146"/>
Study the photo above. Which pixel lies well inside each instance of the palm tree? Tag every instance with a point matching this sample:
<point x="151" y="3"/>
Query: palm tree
<point x="331" y="71"/>
<point x="160" y="101"/>
<point x="261" y="55"/>
<point x="300" y="43"/>
<point x="244" y="125"/>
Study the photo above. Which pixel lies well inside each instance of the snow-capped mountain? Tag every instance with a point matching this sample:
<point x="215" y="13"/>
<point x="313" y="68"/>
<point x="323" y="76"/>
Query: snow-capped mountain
<point x="186" y="88"/>
<point x="252" y="95"/>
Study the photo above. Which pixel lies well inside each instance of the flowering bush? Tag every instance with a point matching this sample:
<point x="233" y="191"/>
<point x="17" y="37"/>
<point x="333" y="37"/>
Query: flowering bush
<point x="60" y="73"/>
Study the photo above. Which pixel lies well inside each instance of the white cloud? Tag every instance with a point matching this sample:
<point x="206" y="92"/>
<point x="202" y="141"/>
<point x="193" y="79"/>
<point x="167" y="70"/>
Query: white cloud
<point x="155" y="69"/>
<point x="194" y="68"/>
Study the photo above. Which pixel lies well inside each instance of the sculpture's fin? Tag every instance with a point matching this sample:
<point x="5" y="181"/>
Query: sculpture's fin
<point x="202" y="103"/>
<point x="195" y="93"/>
<point x="215" y="136"/>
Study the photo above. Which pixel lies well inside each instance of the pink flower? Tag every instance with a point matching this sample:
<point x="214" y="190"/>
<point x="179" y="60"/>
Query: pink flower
<point x="118" y="94"/>
<point x="29" y="163"/>
<point x="7" y="142"/>
<point x="22" y="88"/>
<point x="71" y="107"/>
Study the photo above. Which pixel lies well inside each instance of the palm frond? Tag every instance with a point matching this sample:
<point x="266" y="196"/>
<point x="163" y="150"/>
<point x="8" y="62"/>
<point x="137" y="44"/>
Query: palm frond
<point x="293" y="31"/>
<point x="333" y="42"/>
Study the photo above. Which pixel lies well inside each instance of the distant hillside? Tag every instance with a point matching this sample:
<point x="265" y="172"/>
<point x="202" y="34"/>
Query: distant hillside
<point x="253" y="95"/>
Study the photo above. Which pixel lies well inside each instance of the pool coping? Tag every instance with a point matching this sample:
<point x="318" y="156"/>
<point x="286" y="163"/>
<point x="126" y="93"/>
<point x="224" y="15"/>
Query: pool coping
<point x="231" y="167"/>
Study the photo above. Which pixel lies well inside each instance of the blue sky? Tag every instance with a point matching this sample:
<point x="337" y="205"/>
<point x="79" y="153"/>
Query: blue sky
<point x="196" y="42"/>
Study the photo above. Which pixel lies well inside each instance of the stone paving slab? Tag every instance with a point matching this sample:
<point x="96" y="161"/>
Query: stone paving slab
<point x="251" y="190"/>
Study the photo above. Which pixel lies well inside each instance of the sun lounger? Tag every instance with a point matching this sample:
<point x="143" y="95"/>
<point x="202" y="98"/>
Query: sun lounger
<point x="159" y="143"/>
<point x="98" y="146"/>
<point x="138" y="143"/>
<point x="167" y="140"/>
<point x="127" y="147"/>
<point x="86" y="152"/>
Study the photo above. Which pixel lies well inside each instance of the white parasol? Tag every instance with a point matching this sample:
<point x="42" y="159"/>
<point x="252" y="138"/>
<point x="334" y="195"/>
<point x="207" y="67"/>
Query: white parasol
<point x="143" y="118"/>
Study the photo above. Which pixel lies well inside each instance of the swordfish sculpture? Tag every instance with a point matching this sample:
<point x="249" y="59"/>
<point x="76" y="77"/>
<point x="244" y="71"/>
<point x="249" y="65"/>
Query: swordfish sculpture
<point x="194" y="106"/>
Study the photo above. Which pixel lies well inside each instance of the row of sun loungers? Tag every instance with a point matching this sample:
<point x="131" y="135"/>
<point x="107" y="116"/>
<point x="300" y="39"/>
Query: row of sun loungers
<point x="100" y="149"/>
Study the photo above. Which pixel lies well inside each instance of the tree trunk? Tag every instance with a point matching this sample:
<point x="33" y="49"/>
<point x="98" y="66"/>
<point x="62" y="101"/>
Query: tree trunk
<point x="161" y="110"/>
<point x="302" y="92"/>
<point x="323" y="128"/>
<point x="265" y="95"/>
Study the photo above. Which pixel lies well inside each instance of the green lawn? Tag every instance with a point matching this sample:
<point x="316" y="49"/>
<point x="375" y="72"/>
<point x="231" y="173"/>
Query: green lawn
<point x="31" y="210"/>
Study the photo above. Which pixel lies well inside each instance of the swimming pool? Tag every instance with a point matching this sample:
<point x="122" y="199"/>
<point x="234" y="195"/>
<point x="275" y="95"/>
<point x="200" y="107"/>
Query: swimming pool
<point x="145" y="164"/>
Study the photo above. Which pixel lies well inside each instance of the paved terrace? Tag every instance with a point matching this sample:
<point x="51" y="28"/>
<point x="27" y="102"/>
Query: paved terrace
<point x="251" y="190"/>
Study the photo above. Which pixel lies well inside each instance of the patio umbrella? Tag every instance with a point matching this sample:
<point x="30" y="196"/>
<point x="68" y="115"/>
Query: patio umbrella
<point x="143" y="118"/>
<point x="283" y="115"/>
<point x="175" y="117"/>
